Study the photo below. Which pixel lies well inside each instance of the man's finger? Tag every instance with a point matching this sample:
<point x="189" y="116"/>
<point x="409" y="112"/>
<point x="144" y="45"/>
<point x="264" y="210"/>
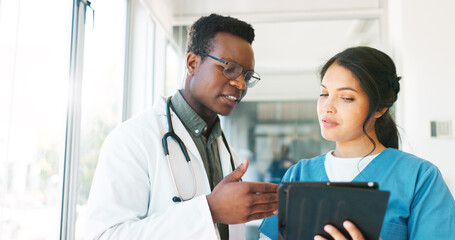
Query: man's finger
<point x="260" y="187"/>
<point x="264" y="208"/>
<point x="237" y="174"/>
<point x="263" y="198"/>
<point x="260" y="215"/>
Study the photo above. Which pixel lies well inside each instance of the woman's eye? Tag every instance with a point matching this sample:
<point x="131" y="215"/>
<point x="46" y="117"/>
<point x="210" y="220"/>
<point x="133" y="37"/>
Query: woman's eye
<point x="323" y="95"/>
<point x="348" y="99"/>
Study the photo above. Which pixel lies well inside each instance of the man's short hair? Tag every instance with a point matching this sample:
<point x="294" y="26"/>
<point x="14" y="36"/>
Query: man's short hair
<point x="202" y="32"/>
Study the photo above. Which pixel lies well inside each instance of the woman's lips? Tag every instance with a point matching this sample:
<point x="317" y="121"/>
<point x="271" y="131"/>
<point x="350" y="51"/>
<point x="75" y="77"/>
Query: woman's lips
<point x="328" y="123"/>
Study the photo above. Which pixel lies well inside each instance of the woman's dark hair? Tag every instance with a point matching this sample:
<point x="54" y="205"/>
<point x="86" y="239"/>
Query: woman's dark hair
<point x="377" y="76"/>
<point x="202" y="32"/>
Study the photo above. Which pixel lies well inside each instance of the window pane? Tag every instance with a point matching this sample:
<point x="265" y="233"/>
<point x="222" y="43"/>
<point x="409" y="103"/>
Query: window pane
<point x="102" y="90"/>
<point x="173" y="70"/>
<point x="34" y="69"/>
<point x="274" y="136"/>
<point x="141" y="60"/>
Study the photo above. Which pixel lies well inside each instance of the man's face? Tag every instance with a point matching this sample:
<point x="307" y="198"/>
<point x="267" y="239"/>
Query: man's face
<point x="208" y="91"/>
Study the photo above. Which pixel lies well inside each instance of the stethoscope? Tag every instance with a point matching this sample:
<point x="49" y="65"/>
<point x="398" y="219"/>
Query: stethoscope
<point x="173" y="135"/>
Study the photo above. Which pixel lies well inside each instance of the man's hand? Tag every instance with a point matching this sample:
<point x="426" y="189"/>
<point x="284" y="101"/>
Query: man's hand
<point x="233" y="202"/>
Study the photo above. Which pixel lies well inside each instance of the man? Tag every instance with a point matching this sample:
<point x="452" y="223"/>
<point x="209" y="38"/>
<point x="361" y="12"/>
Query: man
<point x="139" y="193"/>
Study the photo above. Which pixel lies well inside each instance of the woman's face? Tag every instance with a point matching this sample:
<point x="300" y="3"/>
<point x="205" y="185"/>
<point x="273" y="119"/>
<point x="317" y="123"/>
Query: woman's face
<point x="342" y="106"/>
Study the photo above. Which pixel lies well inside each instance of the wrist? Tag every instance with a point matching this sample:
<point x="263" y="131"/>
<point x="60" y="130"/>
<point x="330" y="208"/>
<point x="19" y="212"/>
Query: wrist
<point x="210" y="202"/>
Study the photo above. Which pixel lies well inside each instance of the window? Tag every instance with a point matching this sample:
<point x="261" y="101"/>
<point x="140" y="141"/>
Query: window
<point x="174" y="78"/>
<point x="141" y="59"/>
<point x="102" y="91"/>
<point x="275" y="135"/>
<point x="34" y="66"/>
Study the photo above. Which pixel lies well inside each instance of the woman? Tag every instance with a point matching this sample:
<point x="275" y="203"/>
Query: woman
<point x="358" y="87"/>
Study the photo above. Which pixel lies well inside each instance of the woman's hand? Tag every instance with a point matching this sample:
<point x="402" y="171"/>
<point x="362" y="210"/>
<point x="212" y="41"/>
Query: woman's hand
<point x="353" y="231"/>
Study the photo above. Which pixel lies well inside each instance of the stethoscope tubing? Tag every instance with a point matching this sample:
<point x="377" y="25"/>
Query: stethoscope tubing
<point x="171" y="134"/>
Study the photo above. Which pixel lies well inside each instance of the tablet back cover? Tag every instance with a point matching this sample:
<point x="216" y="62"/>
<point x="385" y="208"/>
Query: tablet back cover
<point x="304" y="209"/>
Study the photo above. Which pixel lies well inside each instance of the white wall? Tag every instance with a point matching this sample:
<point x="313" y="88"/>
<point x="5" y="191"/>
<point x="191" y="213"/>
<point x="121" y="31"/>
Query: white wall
<point x="425" y="48"/>
<point x="285" y="87"/>
<point x="162" y="13"/>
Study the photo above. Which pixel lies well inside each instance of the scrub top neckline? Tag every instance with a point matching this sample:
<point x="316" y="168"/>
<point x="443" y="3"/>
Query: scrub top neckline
<point x="362" y="174"/>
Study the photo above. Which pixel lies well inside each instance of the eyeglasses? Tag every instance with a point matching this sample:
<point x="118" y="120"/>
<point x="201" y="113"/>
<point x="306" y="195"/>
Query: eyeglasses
<point x="232" y="71"/>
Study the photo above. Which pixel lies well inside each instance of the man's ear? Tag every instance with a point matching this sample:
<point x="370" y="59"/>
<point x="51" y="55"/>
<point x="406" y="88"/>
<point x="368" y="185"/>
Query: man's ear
<point x="380" y="112"/>
<point x="192" y="63"/>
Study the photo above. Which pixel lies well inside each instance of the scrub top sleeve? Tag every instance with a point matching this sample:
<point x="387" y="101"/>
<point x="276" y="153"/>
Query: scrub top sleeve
<point x="433" y="208"/>
<point x="269" y="226"/>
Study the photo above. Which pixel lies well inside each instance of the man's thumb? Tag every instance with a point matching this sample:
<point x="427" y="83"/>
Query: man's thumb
<point x="237" y="174"/>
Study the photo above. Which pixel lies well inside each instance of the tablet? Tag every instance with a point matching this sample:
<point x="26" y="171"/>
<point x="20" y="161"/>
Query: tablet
<point x="304" y="208"/>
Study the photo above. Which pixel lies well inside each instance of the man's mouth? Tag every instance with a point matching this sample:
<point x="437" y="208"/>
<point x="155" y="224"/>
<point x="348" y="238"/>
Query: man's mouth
<point x="232" y="98"/>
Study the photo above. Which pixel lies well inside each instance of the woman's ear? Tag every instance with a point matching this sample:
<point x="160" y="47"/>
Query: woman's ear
<point x="192" y="63"/>
<point x="380" y="112"/>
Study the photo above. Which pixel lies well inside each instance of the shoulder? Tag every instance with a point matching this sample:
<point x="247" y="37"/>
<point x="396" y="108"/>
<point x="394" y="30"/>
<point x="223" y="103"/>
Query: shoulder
<point x="407" y="161"/>
<point x="416" y="171"/>
<point x="310" y="161"/>
<point x="146" y="124"/>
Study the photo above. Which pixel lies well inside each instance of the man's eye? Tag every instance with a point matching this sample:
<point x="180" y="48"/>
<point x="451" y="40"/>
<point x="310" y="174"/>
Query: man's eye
<point x="229" y="69"/>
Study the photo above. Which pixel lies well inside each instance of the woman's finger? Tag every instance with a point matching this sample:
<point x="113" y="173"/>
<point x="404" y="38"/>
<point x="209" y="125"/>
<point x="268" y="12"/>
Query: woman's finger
<point x="333" y="231"/>
<point x="353" y="230"/>
<point x="318" y="237"/>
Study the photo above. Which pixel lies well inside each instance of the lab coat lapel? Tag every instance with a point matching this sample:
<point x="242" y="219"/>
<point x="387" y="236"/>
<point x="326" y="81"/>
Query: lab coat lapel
<point x="224" y="157"/>
<point x="203" y="186"/>
<point x="180" y="130"/>
<point x="193" y="152"/>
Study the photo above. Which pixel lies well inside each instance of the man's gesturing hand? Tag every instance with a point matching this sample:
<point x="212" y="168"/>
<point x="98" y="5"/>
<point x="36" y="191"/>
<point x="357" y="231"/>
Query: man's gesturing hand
<point x="233" y="202"/>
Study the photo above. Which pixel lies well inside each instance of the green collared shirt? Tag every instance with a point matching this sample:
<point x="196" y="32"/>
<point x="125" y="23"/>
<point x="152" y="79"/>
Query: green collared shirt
<point x="207" y="147"/>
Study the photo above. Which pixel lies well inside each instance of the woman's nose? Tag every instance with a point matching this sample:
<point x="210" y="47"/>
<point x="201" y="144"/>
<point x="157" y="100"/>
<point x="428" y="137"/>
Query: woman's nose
<point x="329" y="105"/>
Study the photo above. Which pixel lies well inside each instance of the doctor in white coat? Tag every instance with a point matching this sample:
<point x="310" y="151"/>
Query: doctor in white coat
<point x="137" y="193"/>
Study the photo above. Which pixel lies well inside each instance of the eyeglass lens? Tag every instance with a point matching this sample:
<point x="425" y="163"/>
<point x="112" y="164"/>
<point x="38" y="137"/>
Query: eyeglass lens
<point x="232" y="71"/>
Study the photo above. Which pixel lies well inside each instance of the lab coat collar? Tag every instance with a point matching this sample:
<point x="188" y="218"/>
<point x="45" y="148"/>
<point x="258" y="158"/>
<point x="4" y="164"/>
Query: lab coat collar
<point x="180" y="129"/>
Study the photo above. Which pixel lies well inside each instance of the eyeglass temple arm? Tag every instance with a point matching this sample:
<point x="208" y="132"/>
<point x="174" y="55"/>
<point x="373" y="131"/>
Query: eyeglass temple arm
<point x="208" y="55"/>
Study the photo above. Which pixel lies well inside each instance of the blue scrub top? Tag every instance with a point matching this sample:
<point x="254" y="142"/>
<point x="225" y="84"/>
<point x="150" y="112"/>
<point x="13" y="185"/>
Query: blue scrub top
<point x="420" y="204"/>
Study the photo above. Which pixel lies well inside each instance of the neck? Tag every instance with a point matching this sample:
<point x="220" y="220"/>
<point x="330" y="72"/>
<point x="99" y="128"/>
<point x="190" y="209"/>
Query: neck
<point x="206" y="114"/>
<point x="361" y="147"/>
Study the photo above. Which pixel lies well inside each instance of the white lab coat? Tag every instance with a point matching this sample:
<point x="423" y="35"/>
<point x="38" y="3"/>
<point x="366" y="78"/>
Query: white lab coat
<point x="132" y="189"/>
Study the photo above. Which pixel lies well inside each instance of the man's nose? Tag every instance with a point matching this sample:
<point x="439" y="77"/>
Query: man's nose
<point x="239" y="82"/>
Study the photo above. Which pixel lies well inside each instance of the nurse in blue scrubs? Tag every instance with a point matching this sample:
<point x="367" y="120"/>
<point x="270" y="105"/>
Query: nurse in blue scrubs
<point x="358" y="87"/>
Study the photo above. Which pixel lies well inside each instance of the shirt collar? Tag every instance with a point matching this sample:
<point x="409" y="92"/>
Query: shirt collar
<point x="190" y="119"/>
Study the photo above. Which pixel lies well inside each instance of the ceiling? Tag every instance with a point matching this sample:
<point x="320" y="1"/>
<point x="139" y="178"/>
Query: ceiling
<point x="295" y="35"/>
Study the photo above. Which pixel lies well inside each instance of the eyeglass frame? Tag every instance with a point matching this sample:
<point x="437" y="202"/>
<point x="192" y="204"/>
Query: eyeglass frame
<point x="247" y="81"/>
